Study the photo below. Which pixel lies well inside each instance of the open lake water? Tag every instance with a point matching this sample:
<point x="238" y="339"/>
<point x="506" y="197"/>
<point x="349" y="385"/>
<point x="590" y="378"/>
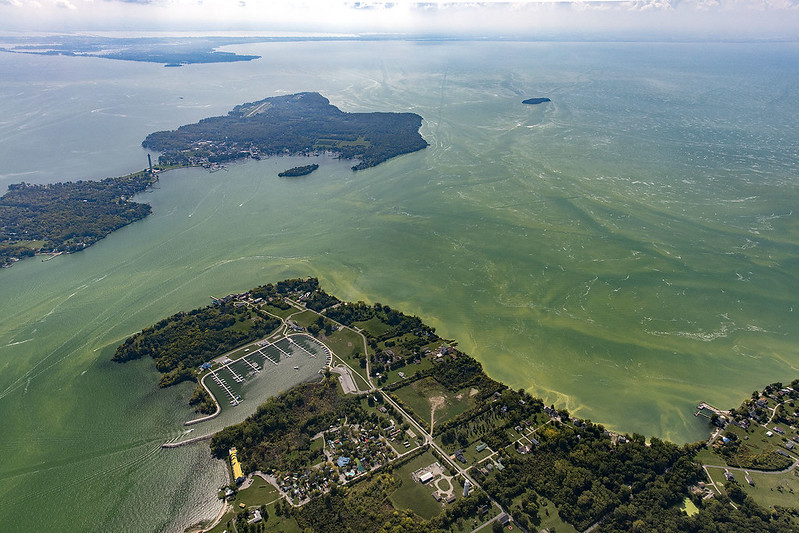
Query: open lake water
<point x="625" y="251"/>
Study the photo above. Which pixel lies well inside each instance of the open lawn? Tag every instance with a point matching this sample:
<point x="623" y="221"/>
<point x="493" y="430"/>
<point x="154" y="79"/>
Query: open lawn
<point x="257" y="494"/>
<point x="305" y="318"/>
<point x="242" y="351"/>
<point x="374" y="326"/>
<point x="473" y="456"/>
<point x="413" y="495"/>
<point x="774" y="489"/>
<point x="757" y="450"/>
<point x="282" y="313"/>
<point x="769" y="490"/>
<point x="408" y="370"/>
<point x="475" y="522"/>
<point x="345" y="343"/>
<point x="550" y="519"/>
<point x="417" y="396"/>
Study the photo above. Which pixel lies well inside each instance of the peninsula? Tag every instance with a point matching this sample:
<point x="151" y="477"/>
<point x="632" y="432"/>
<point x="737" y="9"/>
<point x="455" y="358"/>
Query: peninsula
<point x="295" y="124"/>
<point x="405" y="432"/>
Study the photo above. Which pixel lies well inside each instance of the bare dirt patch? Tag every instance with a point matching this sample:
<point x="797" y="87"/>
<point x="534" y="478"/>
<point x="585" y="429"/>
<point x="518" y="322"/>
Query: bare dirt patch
<point x="436" y="402"/>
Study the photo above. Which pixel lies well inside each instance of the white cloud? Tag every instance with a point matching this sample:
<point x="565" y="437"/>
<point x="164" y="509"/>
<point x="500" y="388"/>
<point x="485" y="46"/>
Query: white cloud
<point x="524" y="18"/>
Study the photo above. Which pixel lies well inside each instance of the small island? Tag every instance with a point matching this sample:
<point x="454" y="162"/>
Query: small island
<point x="405" y="432"/>
<point x="298" y="171"/>
<point x="535" y="101"/>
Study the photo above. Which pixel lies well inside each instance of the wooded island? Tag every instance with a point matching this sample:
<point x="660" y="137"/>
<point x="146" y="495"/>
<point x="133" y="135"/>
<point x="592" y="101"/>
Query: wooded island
<point x="296" y="124"/>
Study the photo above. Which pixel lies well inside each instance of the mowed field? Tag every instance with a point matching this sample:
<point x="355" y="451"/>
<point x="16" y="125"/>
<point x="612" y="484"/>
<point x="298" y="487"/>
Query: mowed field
<point x="414" y="495"/>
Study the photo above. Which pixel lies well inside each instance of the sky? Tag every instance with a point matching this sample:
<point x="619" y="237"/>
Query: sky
<point x="525" y="19"/>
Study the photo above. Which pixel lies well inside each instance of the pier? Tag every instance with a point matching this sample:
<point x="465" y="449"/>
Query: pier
<point x="224" y="386"/>
<point x="298" y="345"/>
<point x="252" y="365"/>
<point x="704" y="406"/>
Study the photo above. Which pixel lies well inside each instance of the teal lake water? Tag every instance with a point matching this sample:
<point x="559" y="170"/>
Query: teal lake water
<point x="625" y="251"/>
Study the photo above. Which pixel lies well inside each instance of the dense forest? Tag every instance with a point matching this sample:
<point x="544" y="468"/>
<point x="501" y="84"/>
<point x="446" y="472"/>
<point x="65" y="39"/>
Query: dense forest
<point x="181" y="343"/>
<point x="298" y="171"/>
<point x="301" y="123"/>
<point x="281" y="429"/>
<point x="67" y="217"/>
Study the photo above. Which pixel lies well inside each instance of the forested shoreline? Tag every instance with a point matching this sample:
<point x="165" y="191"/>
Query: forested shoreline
<point x="67" y="217"/>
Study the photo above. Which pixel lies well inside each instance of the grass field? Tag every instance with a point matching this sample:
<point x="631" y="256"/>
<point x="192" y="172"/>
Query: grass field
<point x="409" y="370"/>
<point x="241" y="352"/>
<point x="345" y="343"/>
<point x="769" y="490"/>
<point x="413" y="495"/>
<point x="417" y="396"/>
<point x="305" y="318"/>
<point x="282" y="313"/>
<point x="374" y="325"/>
<point x="758" y="450"/>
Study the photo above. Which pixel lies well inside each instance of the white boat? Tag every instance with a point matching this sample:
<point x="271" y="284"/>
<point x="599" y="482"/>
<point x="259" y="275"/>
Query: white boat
<point x="296" y="368"/>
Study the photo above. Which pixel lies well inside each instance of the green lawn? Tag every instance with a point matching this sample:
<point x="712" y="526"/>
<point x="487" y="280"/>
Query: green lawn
<point x="473" y="456"/>
<point x="552" y="520"/>
<point x="769" y="489"/>
<point x="374" y="325"/>
<point x="345" y="343"/>
<point x="409" y="370"/>
<point x="473" y="522"/>
<point x="305" y="318"/>
<point x="260" y="492"/>
<point x="758" y="450"/>
<point x="282" y="313"/>
<point x="413" y="495"/>
<point x="242" y="351"/>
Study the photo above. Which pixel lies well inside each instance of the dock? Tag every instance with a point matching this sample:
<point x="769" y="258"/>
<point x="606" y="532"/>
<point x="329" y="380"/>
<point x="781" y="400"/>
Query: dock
<point x="254" y="366"/>
<point x="298" y="345"/>
<point x="223" y="385"/>
<point x="704" y="406"/>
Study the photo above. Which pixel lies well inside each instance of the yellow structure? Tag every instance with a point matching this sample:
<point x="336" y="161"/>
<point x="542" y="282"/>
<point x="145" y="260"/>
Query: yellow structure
<point x="238" y="475"/>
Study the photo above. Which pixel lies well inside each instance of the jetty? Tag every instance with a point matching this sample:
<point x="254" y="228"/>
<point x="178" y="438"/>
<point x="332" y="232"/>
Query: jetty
<point x="704" y="406"/>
